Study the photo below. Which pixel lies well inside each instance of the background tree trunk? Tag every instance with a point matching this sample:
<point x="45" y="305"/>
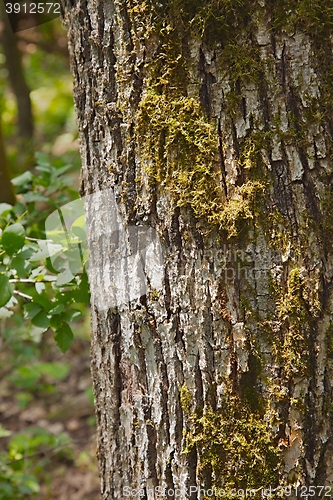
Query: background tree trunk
<point x="211" y="122"/>
<point x="25" y="125"/>
<point x="17" y="79"/>
<point x="6" y="188"/>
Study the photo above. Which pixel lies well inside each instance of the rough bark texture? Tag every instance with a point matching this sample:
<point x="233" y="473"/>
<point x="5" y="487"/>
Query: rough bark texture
<point x="222" y="378"/>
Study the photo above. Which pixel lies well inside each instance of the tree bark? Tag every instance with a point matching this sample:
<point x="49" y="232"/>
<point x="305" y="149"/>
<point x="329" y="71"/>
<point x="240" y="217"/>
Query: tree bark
<point x="211" y="123"/>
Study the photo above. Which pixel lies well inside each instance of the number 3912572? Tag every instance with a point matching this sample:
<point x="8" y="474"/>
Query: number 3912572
<point x="33" y="8"/>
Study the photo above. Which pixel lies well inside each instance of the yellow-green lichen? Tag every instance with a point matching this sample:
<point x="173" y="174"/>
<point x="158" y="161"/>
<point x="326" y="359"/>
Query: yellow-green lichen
<point x="327" y="210"/>
<point x="178" y="142"/>
<point x="179" y="150"/>
<point x="185" y="398"/>
<point x="329" y="340"/>
<point x="296" y="311"/>
<point x="248" y="384"/>
<point x="235" y="444"/>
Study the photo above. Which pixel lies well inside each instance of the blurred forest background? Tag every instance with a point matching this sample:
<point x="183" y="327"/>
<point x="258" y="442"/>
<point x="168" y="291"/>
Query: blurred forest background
<point x="47" y="423"/>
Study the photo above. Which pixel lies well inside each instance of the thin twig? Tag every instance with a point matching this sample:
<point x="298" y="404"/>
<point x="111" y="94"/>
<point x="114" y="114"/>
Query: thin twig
<point x="37" y="453"/>
<point x="36" y="239"/>
<point x="22" y="281"/>
<point x="24" y="295"/>
<point x="29" y="280"/>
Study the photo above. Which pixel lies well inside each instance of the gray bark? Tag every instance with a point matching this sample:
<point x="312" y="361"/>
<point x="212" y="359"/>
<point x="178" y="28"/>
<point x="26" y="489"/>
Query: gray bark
<point x="255" y="290"/>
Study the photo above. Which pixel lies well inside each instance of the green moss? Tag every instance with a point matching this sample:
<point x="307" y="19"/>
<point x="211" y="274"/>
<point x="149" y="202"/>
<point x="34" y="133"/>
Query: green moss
<point x="248" y="385"/>
<point x="155" y="294"/>
<point x="242" y="62"/>
<point x="240" y="207"/>
<point x="327" y="210"/>
<point x="213" y="20"/>
<point x="277" y="231"/>
<point x="179" y="149"/>
<point x="294" y="319"/>
<point x="185" y="398"/>
<point x="329" y="340"/>
<point x="235" y="445"/>
<point x="313" y="17"/>
<point x="178" y="142"/>
<point x="251" y="149"/>
<point x="296" y="311"/>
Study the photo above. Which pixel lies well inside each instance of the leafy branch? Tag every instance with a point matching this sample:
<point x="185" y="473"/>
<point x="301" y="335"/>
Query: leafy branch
<point x="50" y="293"/>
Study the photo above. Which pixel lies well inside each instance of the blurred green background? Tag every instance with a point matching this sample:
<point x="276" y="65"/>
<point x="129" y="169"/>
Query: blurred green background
<point x="47" y="423"/>
<point x="42" y="54"/>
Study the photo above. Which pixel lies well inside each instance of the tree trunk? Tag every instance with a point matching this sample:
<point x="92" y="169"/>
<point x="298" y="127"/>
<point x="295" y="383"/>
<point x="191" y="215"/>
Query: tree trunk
<point x="25" y="126"/>
<point x="210" y="122"/>
<point x="6" y="188"/>
<point x="17" y="79"/>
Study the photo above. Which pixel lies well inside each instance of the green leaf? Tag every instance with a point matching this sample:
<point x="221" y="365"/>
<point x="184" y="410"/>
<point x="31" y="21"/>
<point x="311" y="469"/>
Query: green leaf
<point x="43" y="161"/>
<point x="90" y="395"/>
<point x="56" y="321"/>
<point x="65" y="297"/>
<point x="23" y="399"/>
<point x="4" y="432"/>
<point x="57" y="309"/>
<point x="41" y="320"/>
<point x="44" y="250"/>
<point x="30" y="197"/>
<point x="57" y="371"/>
<point x="13" y="238"/>
<point x="82" y="293"/>
<point x="64" y="278"/>
<point x="64" y="337"/>
<point x="79" y="233"/>
<point x="22" y="179"/>
<point x="5" y="290"/>
<point x="72" y="315"/>
<point x="5" y="313"/>
<point x="30" y="485"/>
<point x="26" y="253"/>
<point x="19" y="265"/>
<point x="25" y="377"/>
<point x="31" y="310"/>
<point x="6" y="489"/>
<point x="40" y="287"/>
<point x="5" y="207"/>
<point x="43" y="300"/>
<point x="61" y="170"/>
